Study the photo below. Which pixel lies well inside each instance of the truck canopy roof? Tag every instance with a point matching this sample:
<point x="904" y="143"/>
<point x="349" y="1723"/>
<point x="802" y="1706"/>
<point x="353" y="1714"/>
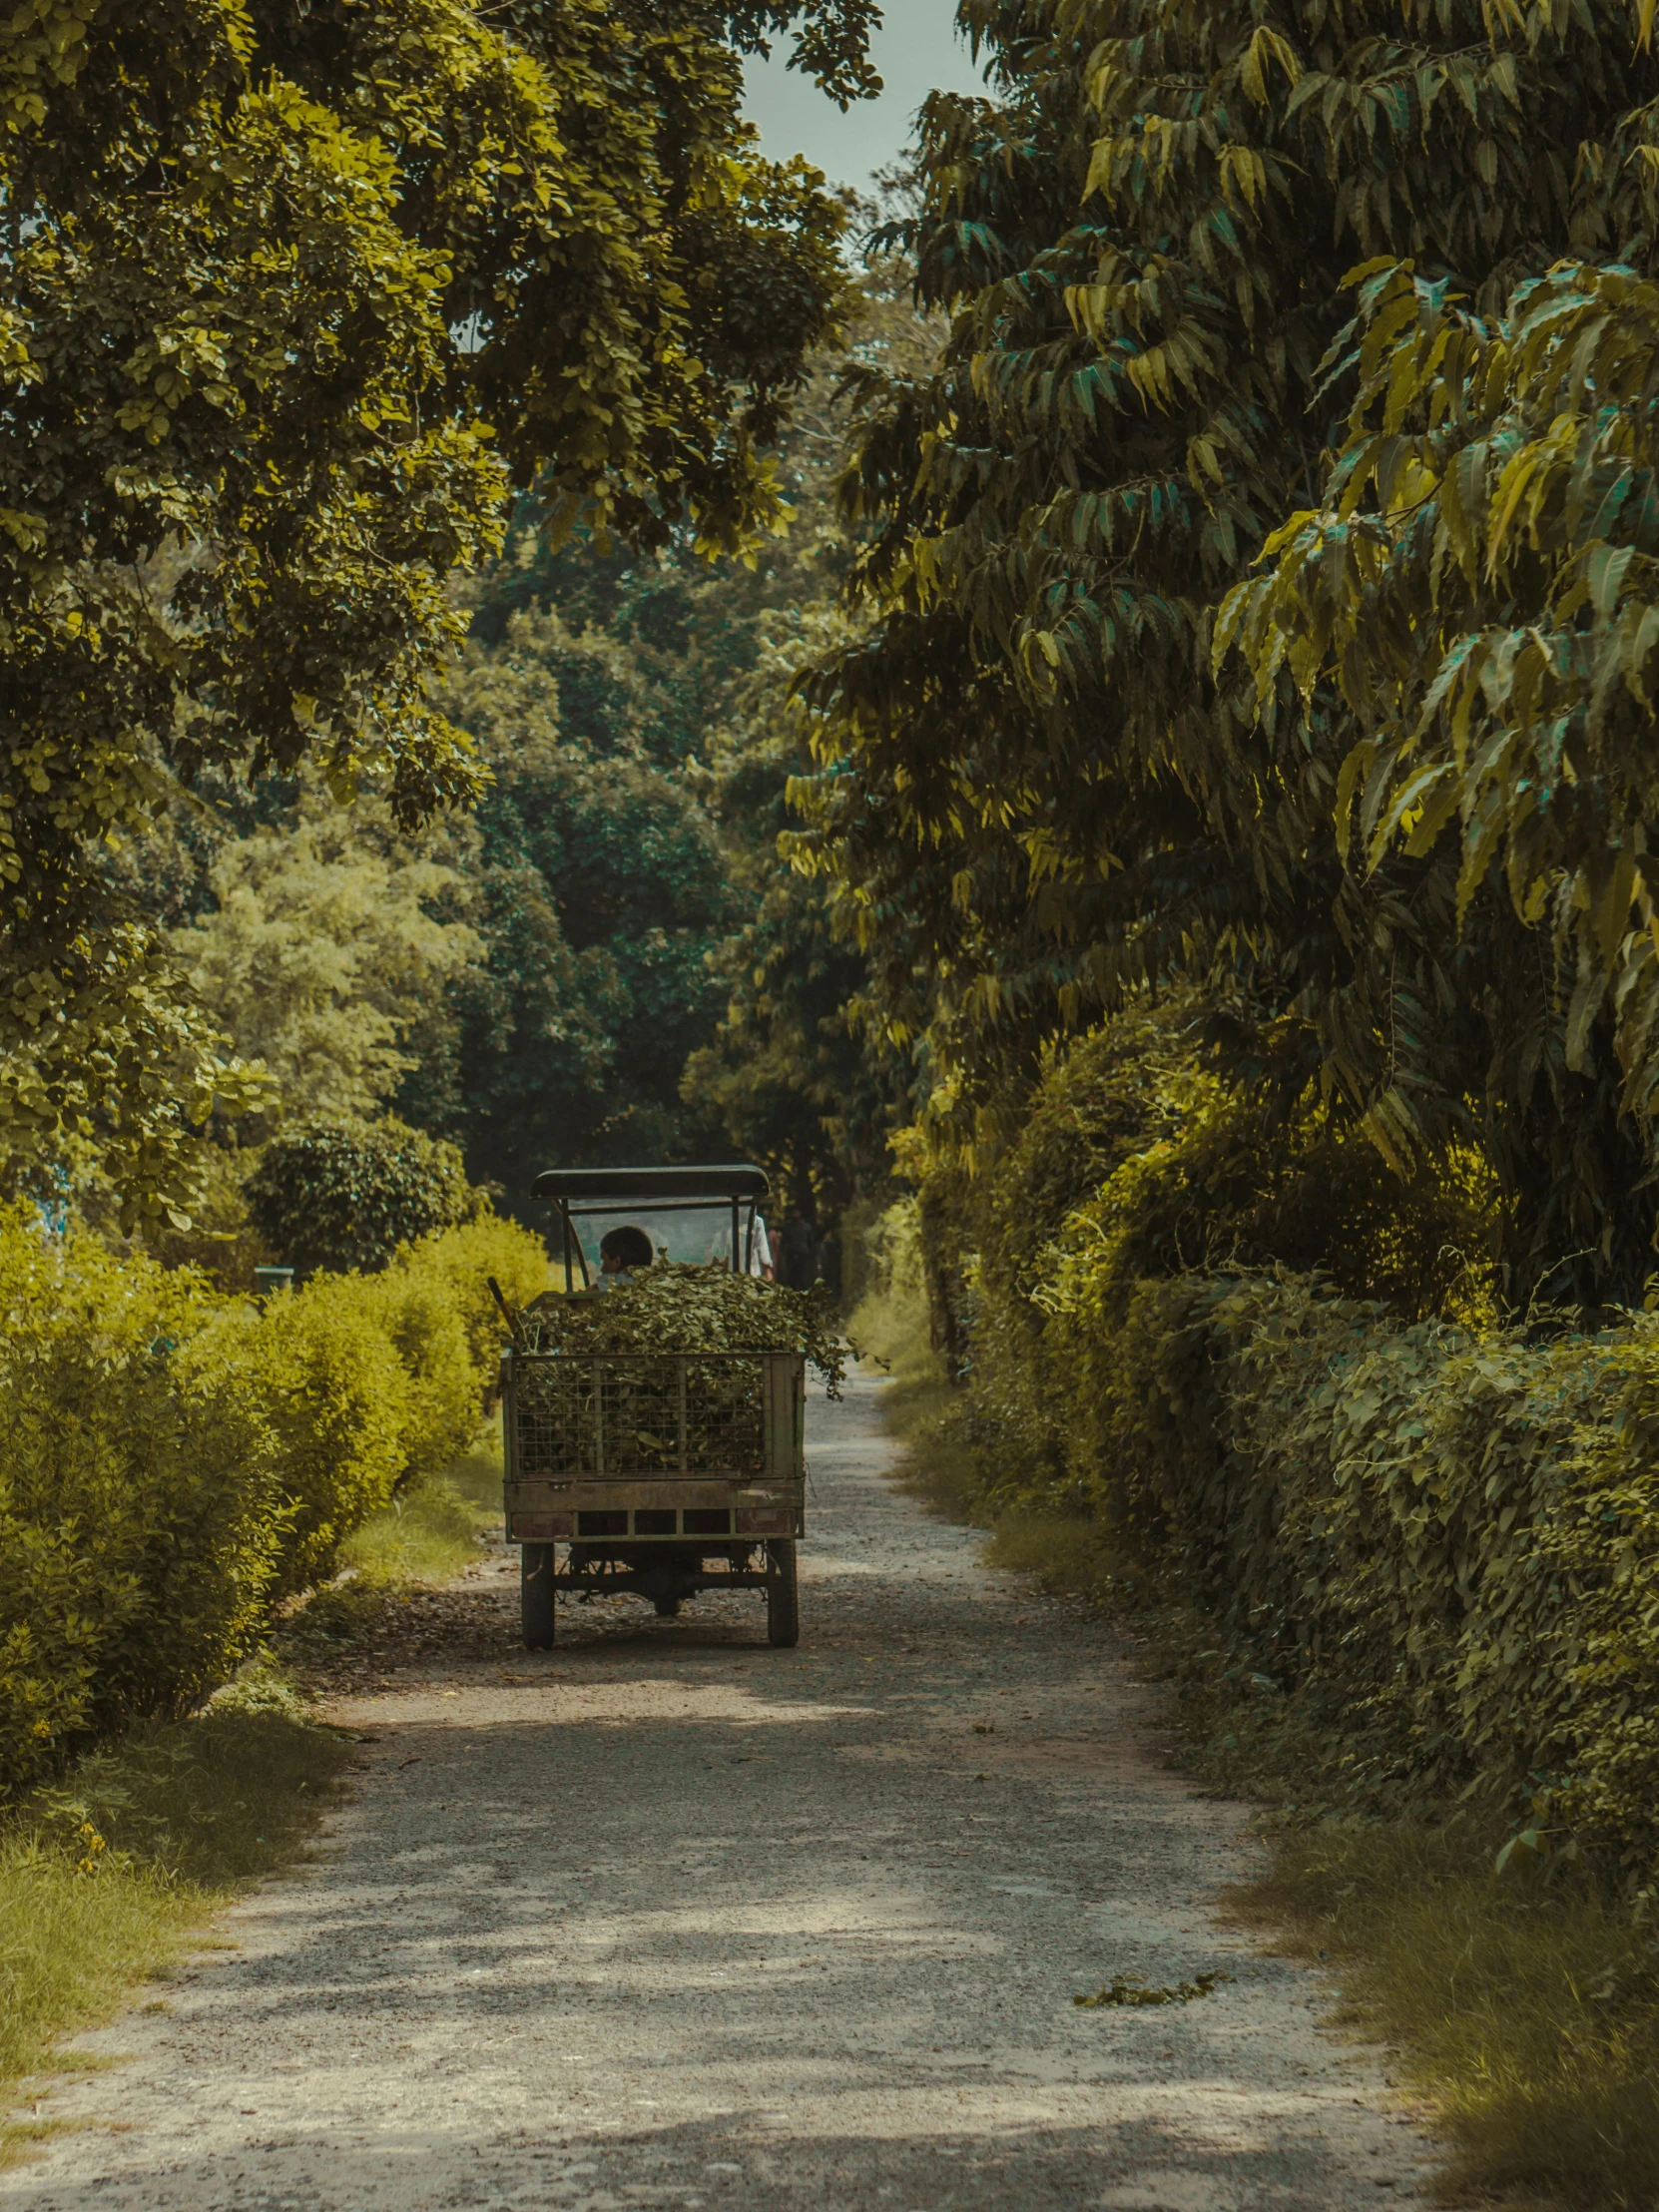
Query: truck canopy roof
<point x="624" y="1187"/>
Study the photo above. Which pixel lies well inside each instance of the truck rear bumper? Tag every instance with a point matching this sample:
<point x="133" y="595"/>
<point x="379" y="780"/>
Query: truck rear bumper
<point x="669" y="1512"/>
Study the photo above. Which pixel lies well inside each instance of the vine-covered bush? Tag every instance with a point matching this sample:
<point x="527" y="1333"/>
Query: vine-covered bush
<point x="1132" y="1153"/>
<point x="1448" y="1540"/>
<point x="1434" y="1533"/>
<point x="344" y="1195"/>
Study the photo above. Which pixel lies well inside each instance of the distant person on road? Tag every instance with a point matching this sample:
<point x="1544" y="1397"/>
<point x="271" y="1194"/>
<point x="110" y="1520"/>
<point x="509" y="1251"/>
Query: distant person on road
<point x="797" y="1246"/>
<point x="756" y="1243"/>
<point x="827" y="1263"/>
<point x="759" y="1257"/>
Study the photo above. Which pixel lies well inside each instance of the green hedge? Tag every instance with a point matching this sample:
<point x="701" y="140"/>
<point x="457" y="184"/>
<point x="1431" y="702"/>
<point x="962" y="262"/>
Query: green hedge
<point x="1440" y="1537"/>
<point x="178" y="1461"/>
<point x="139" y="1511"/>
<point x="1445" y="1544"/>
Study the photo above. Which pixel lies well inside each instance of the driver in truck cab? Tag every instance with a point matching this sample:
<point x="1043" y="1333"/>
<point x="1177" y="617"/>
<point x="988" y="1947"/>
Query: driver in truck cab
<point x="622" y="1254"/>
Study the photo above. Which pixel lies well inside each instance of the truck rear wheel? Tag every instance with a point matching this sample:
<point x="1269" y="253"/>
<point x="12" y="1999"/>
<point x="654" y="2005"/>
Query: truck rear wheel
<point x="783" y="1596"/>
<point x="535" y="1592"/>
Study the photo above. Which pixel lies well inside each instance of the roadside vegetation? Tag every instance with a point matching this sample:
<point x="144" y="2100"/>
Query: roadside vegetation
<point x="114" y="1861"/>
<point x="1237" y="775"/>
<point x="181" y="1460"/>
<point x="435" y="1528"/>
<point x="1109" y="746"/>
<point x="1461" y="1825"/>
<point x="109" y="1875"/>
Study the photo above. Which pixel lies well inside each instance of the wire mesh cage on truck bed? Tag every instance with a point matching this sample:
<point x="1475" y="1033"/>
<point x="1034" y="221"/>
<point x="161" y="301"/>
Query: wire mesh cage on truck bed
<point x="660" y="1473"/>
<point x="598" y="1416"/>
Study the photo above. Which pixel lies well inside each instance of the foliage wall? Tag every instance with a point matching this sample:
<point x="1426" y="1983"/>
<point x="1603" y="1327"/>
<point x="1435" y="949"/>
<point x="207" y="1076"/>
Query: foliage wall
<point x="179" y="1461"/>
<point x="1047" y="779"/>
<point x="1267" y="1373"/>
<point x="603" y="958"/>
<point x="292" y="299"/>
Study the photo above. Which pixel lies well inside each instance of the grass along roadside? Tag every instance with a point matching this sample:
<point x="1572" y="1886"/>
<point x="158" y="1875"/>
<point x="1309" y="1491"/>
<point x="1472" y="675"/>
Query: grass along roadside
<point x="1525" y="2010"/>
<point x="433" y="1530"/>
<point x="108" y="1875"/>
<point x="1524" y="2007"/>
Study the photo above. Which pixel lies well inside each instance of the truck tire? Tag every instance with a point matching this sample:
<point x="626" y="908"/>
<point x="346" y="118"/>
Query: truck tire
<point x="535" y="1594"/>
<point x="783" y="1596"/>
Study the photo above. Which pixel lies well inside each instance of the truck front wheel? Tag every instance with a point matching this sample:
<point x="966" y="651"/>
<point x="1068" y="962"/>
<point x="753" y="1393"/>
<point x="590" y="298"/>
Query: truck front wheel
<point x="535" y="1589"/>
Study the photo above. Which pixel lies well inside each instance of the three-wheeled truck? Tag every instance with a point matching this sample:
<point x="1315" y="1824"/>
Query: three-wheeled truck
<point x="663" y="1471"/>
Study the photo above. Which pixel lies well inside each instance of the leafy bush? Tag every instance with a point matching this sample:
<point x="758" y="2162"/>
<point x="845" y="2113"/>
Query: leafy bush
<point x="440" y="1392"/>
<point x="140" y="1515"/>
<point x="320" y="1373"/>
<point x="344" y="1195"/>
<point x="179" y="1459"/>
<point x="1132" y="1155"/>
<point x="463" y="1259"/>
<point x="1434" y="1536"/>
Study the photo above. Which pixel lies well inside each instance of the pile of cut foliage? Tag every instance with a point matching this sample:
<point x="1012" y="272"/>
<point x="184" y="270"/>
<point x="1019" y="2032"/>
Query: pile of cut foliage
<point x="677" y="1306"/>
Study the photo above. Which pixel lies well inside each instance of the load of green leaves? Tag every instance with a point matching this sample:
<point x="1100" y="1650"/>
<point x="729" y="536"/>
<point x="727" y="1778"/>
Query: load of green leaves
<point x="676" y="1306"/>
<point x="290" y="296"/>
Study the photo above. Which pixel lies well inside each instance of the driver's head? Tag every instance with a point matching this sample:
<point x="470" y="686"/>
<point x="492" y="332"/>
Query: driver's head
<point x="625" y="1248"/>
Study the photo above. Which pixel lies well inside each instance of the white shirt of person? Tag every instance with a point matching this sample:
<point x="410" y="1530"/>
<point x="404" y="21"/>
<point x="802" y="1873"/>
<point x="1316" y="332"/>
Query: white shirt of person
<point x="757" y="1245"/>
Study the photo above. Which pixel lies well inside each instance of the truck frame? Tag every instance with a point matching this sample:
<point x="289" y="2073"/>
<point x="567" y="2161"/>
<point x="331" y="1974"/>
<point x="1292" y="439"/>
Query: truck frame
<point x="658" y="1473"/>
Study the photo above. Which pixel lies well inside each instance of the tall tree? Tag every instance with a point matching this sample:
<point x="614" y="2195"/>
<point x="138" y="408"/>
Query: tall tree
<point x="600" y="895"/>
<point x="1481" y="585"/>
<point x="682" y="668"/>
<point x="290" y="294"/>
<point x="1037" y="793"/>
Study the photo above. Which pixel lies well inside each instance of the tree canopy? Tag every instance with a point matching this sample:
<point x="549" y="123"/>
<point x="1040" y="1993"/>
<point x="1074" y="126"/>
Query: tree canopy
<point x="1038" y="793"/>
<point x="292" y="295"/>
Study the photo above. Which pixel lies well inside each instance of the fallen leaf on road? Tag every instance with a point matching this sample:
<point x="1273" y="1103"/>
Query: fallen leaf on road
<point x="1137" y="1993"/>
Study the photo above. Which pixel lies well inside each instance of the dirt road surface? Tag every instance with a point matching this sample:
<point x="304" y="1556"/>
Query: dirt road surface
<point x="668" y="1918"/>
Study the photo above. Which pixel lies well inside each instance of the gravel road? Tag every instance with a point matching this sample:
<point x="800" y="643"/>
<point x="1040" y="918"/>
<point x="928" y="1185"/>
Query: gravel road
<point x="668" y="1918"/>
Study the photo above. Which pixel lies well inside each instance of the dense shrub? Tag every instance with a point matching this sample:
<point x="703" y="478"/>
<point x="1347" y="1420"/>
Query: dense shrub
<point x="1131" y="1152"/>
<point x="344" y="1195"/>
<point x="1437" y="1535"/>
<point x="1447" y="1542"/>
<point x="463" y="1259"/>
<point x="140" y="1515"/>
<point x="323" y="1378"/>
<point x="440" y="1397"/>
<point x="370" y="1382"/>
<point x="179" y="1459"/>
